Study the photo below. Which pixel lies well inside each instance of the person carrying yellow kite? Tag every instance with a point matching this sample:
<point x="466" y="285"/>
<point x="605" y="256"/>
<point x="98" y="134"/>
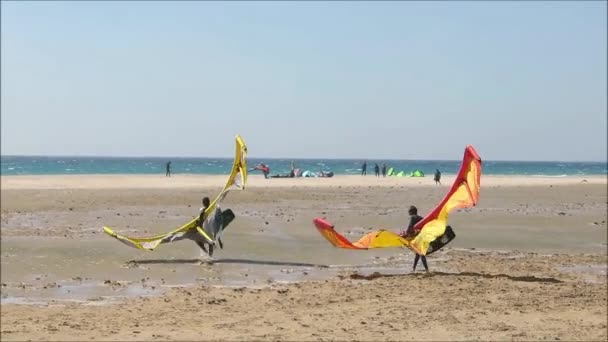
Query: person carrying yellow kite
<point x="207" y="227"/>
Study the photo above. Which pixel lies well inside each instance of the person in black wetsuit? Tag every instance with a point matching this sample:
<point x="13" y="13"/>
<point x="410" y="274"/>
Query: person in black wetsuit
<point x="364" y="169"/>
<point x="377" y="170"/>
<point x="415" y="218"/>
<point x="384" y="170"/>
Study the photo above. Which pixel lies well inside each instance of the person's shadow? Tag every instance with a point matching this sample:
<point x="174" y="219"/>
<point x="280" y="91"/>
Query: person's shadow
<point x="528" y="279"/>
<point x="223" y="261"/>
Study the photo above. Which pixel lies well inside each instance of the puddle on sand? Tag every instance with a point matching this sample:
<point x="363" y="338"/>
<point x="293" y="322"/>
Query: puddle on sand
<point x="92" y="292"/>
<point x="97" y="271"/>
<point x="589" y="273"/>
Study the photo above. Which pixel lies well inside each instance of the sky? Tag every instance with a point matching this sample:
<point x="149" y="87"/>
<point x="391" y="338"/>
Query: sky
<point x="399" y="80"/>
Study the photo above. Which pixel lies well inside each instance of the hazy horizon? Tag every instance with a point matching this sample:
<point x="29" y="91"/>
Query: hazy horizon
<point x="230" y="157"/>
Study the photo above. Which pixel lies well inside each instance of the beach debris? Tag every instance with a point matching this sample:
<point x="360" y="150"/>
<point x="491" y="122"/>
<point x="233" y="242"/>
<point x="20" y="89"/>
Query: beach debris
<point x="217" y="301"/>
<point x="112" y="283"/>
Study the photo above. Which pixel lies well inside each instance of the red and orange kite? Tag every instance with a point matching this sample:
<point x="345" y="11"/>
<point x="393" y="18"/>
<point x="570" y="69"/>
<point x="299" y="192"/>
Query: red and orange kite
<point x="433" y="231"/>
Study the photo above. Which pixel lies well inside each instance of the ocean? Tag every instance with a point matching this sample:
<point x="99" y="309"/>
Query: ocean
<point x="29" y="165"/>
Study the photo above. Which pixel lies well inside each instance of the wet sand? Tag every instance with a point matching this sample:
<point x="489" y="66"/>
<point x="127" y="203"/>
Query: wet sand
<point x="528" y="263"/>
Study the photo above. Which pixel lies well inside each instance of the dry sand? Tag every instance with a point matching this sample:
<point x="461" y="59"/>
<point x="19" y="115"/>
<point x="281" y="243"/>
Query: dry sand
<point x="528" y="263"/>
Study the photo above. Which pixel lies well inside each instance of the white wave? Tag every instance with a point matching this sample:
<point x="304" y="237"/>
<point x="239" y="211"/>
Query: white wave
<point x="550" y="176"/>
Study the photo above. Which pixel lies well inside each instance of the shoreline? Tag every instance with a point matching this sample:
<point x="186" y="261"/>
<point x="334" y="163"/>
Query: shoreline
<point x="128" y="181"/>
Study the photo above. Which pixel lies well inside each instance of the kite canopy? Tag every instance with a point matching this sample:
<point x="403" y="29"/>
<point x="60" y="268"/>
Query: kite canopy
<point x="416" y="173"/>
<point x="375" y="239"/>
<point x="463" y="193"/>
<point x="237" y="179"/>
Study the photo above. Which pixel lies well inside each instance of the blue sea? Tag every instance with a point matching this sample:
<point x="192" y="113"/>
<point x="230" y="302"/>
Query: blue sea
<point x="29" y="165"/>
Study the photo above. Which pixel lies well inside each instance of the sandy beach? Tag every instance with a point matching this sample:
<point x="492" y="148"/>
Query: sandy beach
<point x="528" y="263"/>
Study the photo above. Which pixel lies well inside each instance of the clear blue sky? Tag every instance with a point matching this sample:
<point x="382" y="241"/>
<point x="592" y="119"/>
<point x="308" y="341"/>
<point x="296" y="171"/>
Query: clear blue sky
<point x="403" y="80"/>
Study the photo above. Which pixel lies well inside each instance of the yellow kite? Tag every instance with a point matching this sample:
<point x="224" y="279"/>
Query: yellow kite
<point x="236" y="179"/>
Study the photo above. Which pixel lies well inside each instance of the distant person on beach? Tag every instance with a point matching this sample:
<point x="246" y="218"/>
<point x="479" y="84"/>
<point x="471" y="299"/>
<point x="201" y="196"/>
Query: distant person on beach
<point x="384" y="170"/>
<point x="364" y="169"/>
<point x="410" y="233"/>
<point x="168" y="167"/>
<point x="437" y="177"/>
<point x="292" y="173"/>
<point x="264" y="168"/>
<point x="377" y="170"/>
